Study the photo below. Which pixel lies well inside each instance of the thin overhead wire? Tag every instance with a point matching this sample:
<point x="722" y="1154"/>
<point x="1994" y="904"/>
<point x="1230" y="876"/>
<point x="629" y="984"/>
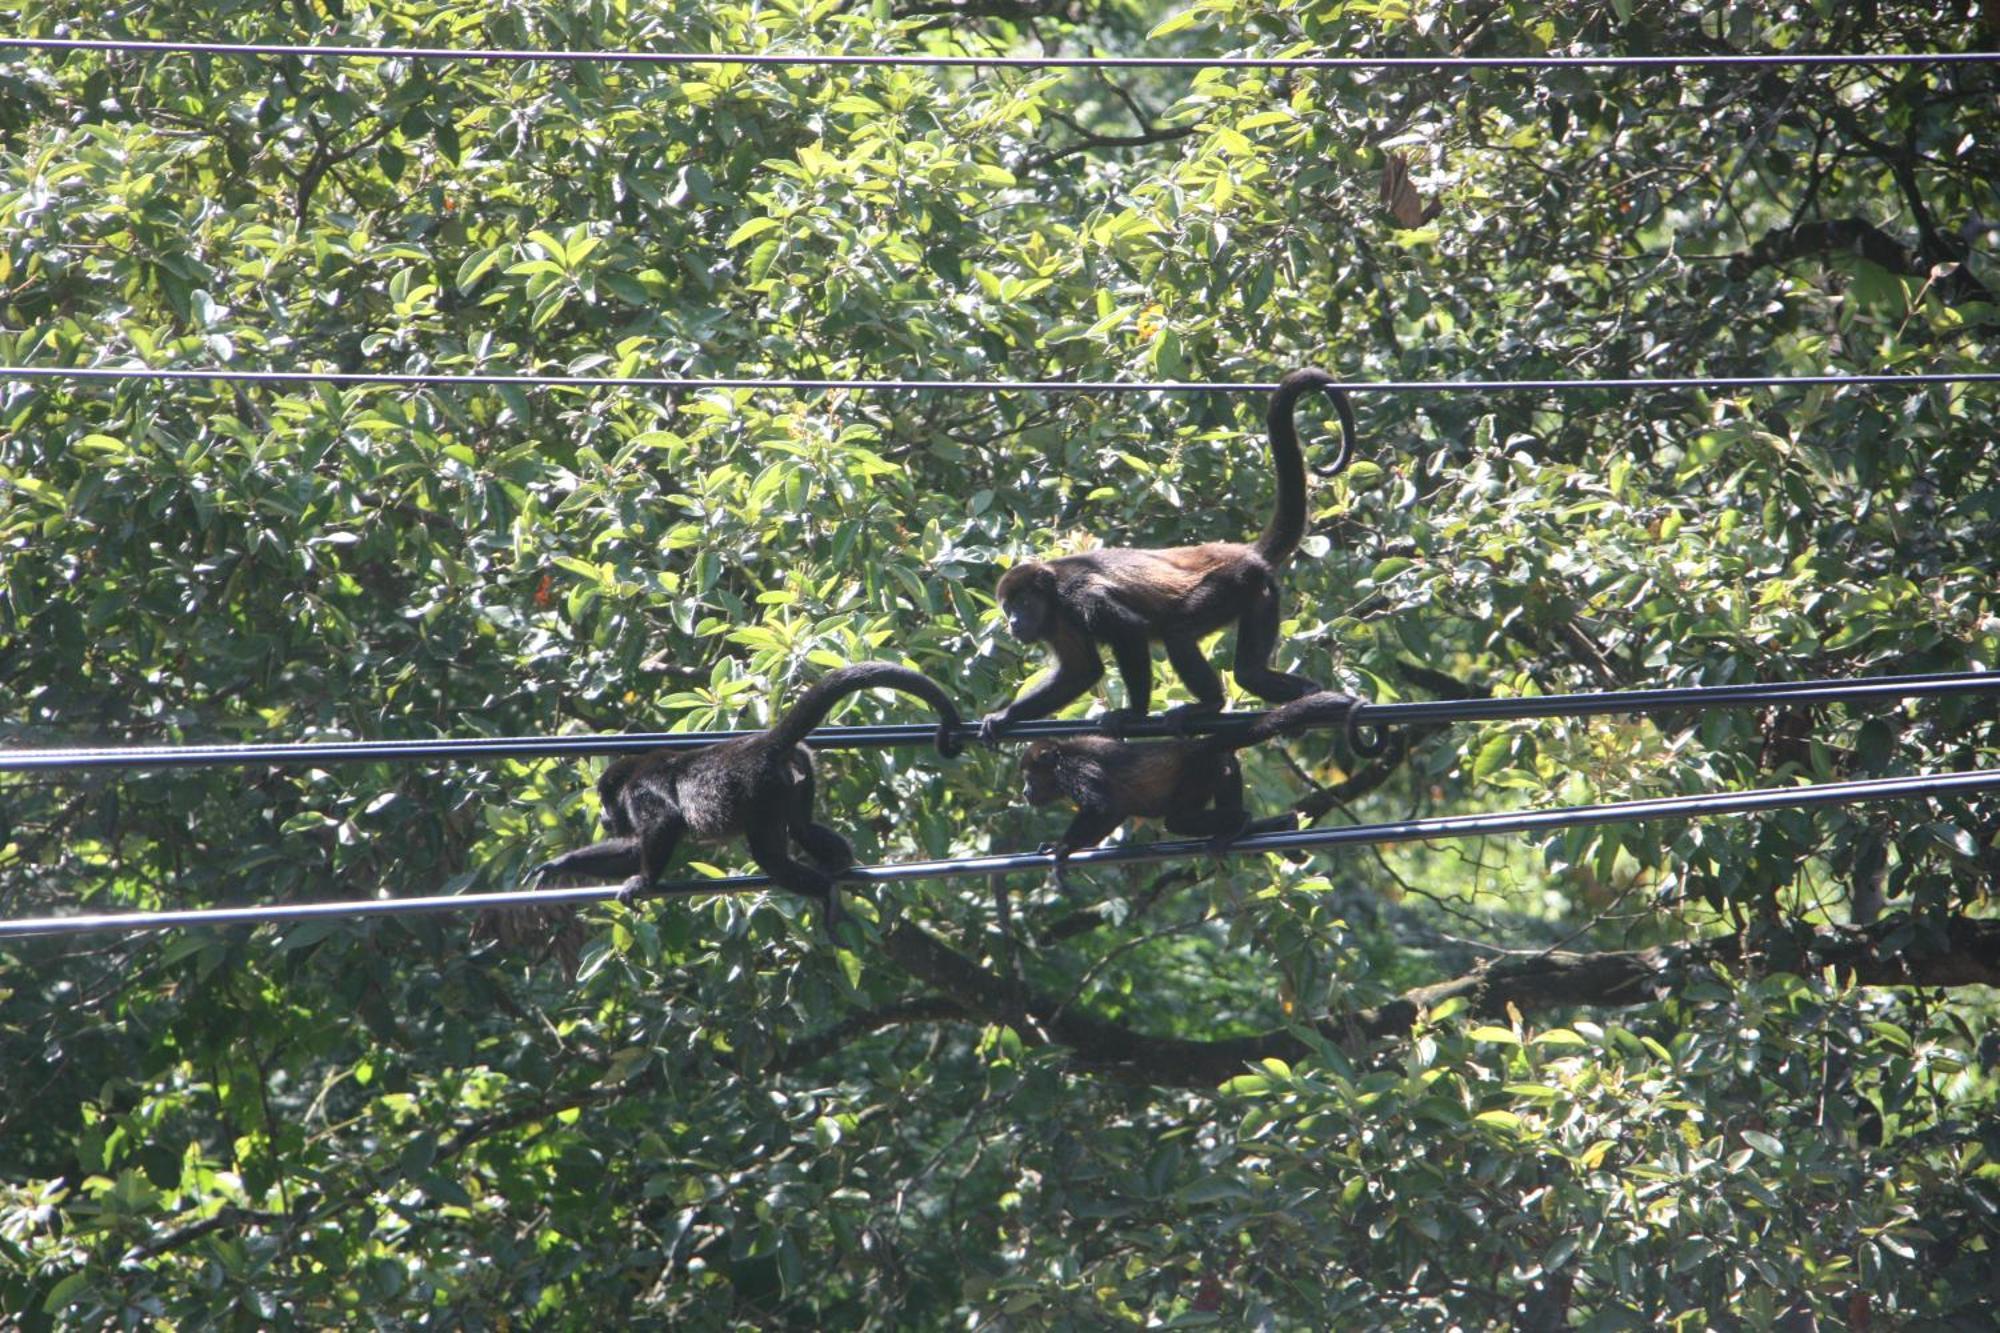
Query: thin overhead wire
<point x="1866" y="689"/>
<point x="1308" y="840"/>
<point x="479" y="379"/>
<point x="837" y="59"/>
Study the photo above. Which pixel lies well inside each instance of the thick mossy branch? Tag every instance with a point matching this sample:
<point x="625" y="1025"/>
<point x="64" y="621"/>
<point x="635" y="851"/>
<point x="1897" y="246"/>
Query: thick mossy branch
<point x="1898" y="951"/>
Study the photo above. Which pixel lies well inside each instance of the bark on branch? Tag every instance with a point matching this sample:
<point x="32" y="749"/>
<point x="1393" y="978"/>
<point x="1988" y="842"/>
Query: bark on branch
<point x="1897" y="951"/>
<point x="1855" y="236"/>
<point x="923" y="1009"/>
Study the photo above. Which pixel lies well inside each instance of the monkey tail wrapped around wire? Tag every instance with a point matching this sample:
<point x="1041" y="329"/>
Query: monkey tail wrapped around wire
<point x="1345" y="453"/>
<point x="1365" y="741"/>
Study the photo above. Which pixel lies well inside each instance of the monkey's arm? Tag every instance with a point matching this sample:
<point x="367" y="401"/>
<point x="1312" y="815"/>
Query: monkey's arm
<point x="1089" y="828"/>
<point x="1092" y="825"/>
<point x="1078" y="667"/>
<point x="660" y="828"/>
<point x="614" y="857"/>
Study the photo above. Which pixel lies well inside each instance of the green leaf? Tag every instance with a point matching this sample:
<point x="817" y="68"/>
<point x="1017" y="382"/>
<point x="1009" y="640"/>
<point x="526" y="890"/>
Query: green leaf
<point x="753" y="228"/>
<point x="1497" y="753"/>
<point x="1558" y="1037"/>
<point x="67" y="1291"/>
<point x="1212" y="1189"/>
<point x="1764" y="1143"/>
<point x="476" y="265"/>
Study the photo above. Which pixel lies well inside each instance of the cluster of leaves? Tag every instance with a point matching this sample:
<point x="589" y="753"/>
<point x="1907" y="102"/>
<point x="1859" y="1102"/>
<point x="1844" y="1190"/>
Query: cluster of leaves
<point x="719" y="1119"/>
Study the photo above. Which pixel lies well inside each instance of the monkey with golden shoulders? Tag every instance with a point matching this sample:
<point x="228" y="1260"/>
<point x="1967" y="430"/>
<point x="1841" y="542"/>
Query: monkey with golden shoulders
<point x="1129" y="598"/>
<point x="757" y="787"/>
<point x="1194" y="786"/>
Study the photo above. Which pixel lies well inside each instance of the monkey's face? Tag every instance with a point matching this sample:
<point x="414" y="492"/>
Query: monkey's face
<point x="1039" y="784"/>
<point x="1025" y="593"/>
<point x="610" y="795"/>
<point x="1027" y="615"/>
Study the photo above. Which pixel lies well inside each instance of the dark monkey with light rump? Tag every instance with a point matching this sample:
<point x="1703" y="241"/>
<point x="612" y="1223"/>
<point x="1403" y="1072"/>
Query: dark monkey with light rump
<point x="759" y="787"/>
<point x="1129" y="598"/>
<point x="1195" y="787"/>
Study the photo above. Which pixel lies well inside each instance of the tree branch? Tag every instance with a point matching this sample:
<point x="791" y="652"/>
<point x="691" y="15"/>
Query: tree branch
<point x="1090" y="141"/>
<point x="1086" y="919"/>
<point x="1899" y="951"/>
<point x="819" y="1045"/>
<point x="1859" y="237"/>
<point x="1856" y="236"/>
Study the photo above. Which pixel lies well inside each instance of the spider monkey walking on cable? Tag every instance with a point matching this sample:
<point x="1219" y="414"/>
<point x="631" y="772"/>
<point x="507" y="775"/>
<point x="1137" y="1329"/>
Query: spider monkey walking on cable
<point x="1177" y="595"/>
<point x="1195" y="786"/>
<point x="758" y="786"/>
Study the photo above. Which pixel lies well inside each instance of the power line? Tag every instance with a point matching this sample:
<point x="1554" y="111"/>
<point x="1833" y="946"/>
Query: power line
<point x="503" y="55"/>
<point x="919" y="734"/>
<point x="1315" y="840"/>
<point x="696" y="384"/>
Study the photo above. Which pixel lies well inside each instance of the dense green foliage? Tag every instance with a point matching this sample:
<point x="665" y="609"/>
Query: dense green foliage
<point x="719" y="1118"/>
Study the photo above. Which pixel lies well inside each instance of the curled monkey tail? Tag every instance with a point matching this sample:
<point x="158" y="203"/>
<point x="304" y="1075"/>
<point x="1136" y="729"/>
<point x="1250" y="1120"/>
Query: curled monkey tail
<point x="813" y="706"/>
<point x="1282" y="534"/>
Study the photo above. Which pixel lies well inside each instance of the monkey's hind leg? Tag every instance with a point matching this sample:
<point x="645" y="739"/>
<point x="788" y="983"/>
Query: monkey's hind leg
<point x="1256" y="640"/>
<point x="770" y="849"/>
<point x="1191" y="665"/>
<point x="1228" y="820"/>
<point x="1212" y="809"/>
<point x="824" y="845"/>
<point x="1220" y="827"/>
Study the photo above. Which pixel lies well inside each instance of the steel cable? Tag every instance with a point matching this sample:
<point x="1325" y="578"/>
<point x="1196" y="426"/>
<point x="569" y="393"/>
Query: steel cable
<point x="1311" y="840"/>
<point x="1601" y="703"/>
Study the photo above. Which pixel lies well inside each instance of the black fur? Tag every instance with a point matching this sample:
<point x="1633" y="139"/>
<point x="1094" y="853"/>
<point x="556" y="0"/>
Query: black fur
<point x="759" y="787"/>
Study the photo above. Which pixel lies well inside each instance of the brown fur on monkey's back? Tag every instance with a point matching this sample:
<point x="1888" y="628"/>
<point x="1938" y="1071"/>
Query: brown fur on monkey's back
<point x="1193" y="589"/>
<point x="1147" y="777"/>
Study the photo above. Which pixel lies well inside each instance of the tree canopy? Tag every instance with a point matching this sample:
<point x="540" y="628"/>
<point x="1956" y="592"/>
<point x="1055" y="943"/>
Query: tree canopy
<point x="1735" y="1073"/>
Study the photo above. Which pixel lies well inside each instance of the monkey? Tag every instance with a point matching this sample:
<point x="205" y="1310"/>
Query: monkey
<point x="1194" y="786"/>
<point x="1178" y="595"/>
<point x="758" y="786"/>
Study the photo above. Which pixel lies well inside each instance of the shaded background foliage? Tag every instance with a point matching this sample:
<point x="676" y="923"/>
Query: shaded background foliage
<point x="719" y="1118"/>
